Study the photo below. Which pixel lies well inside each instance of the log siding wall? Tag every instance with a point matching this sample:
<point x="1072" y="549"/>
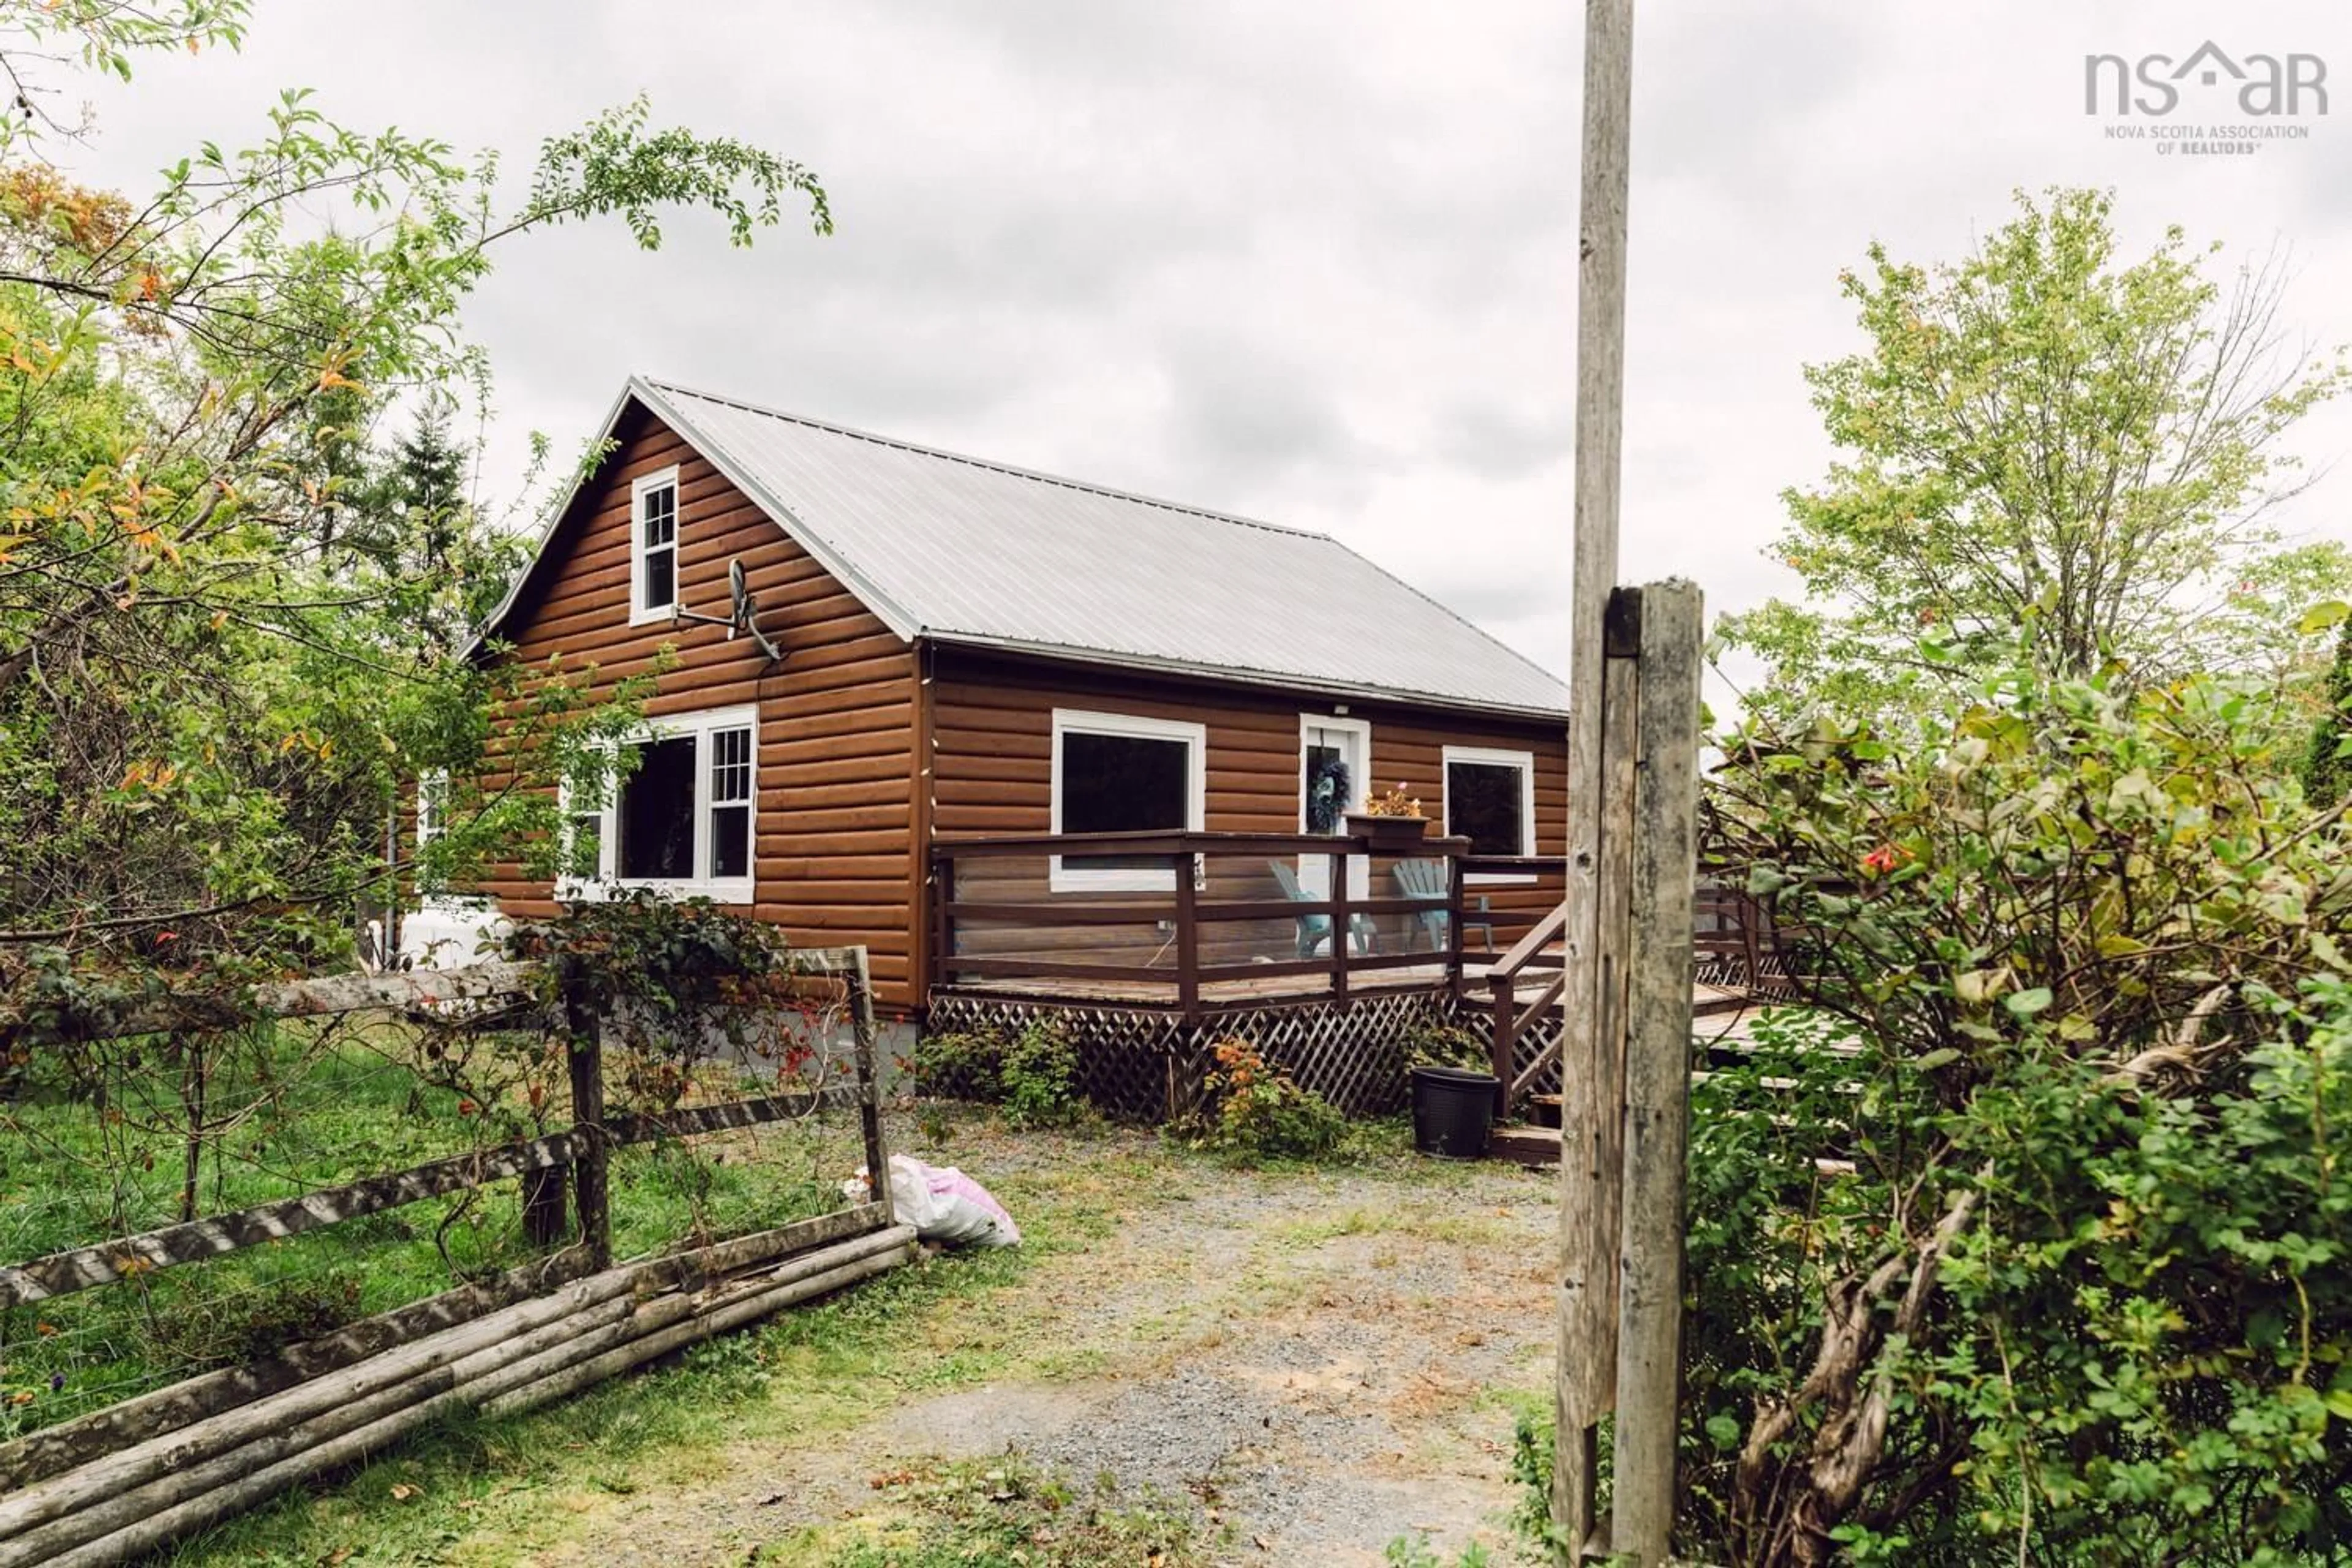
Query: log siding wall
<point x="837" y="720"/>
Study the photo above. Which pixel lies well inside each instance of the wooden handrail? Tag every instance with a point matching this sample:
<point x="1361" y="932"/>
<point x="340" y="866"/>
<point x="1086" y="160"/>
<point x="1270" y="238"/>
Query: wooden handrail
<point x="1184" y="844"/>
<point x="1184" y="908"/>
<point x="1545" y="932"/>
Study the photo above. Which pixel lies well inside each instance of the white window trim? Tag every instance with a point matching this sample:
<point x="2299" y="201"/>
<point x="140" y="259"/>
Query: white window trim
<point x="639" y="614"/>
<point x="1361" y="728"/>
<point x="431" y="805"/>
<point x="702" y="884"/>
<point x="431" y="822"/>
<point x="1494" y="757"/>
<point x="1090" y="879"/>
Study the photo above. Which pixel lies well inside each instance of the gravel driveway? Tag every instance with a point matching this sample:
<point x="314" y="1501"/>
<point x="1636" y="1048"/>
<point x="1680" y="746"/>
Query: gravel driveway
<point x="1315" y="1361"/>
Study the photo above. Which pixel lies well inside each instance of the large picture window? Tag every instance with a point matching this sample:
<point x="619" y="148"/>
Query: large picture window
<point x="653" y="546"/>
<point x="1118" y="774"/>
<point x="682" y="821"/>
<point x="1490" y="799"/>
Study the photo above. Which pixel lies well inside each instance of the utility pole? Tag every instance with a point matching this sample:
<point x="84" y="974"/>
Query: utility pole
<point x="1592" y="1059"/>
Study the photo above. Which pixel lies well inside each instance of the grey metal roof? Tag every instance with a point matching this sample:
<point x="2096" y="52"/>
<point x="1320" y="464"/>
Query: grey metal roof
<point x="961" y="549"/>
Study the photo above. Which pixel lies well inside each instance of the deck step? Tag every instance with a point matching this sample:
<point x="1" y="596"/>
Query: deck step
<point x="1525" y="1145"/>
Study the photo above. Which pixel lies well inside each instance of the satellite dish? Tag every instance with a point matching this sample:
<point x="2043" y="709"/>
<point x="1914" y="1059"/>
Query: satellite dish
<point x="742" y="613"/>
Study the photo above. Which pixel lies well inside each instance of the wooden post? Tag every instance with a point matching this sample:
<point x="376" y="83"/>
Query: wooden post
<point x="1600" y="423"/>
<point x="870" y="1088"/>
<point x="1341" y="923"/>
<point x="1503" y="1058"/>
<point x="1453" y="907"/>
<point x="589" y="1192"/>
<point x="1657" y="1073"/>
<point x="944" y="881"/>
<point x="1188" y="942"/>
<point x="542" y="1207"/>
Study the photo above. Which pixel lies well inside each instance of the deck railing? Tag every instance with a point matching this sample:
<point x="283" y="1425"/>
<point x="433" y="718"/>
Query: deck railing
<point x="1216" y="912"/>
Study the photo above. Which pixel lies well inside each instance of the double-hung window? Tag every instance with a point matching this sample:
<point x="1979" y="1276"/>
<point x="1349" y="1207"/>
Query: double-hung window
<point x="431" y="822"/>
<point x="1490" y="799"/>
<point x="653" y="547"/>
<point x="1113" y="772"/>
<point x="682" y="821"/>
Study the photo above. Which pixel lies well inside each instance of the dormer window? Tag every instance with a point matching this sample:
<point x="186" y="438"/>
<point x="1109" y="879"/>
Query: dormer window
<point x="653" y="547"/>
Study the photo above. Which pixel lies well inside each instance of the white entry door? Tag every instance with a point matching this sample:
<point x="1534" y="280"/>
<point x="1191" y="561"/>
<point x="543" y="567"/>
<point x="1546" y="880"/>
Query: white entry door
<point x="1334" y="756"/>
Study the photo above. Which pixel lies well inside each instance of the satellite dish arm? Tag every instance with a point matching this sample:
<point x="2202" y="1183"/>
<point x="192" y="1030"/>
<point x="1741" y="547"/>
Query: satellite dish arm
<point x="744" y="612"/>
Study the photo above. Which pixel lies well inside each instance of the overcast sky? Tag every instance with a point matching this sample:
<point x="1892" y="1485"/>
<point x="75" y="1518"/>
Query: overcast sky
<point x="1313" y="263"/>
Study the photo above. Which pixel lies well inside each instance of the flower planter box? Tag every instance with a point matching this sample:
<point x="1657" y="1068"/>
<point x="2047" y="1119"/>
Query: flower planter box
<point x="1389" y="831"/>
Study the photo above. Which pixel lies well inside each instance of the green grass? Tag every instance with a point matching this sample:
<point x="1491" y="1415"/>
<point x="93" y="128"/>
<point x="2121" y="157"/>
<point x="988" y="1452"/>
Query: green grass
<point x="334" y="1108"/>
<point x="482" y="1491"/>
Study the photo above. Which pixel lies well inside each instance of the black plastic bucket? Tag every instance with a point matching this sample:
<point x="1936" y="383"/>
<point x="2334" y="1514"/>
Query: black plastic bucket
<point x="1453" y="1112"/>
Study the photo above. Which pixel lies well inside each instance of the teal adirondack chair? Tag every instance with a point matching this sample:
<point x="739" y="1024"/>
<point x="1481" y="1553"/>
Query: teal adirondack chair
<point x="1314" y="930"/>
<point x="1426" y="879"/>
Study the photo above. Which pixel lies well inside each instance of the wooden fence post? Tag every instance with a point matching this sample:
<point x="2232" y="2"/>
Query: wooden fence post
<point x="591" y="1192"/>
<point x="1657" y="1073"/>
<point x="870" y="1088"/>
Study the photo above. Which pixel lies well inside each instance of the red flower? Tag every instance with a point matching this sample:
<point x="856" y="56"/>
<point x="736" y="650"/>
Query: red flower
<point x="1883" y="859"/>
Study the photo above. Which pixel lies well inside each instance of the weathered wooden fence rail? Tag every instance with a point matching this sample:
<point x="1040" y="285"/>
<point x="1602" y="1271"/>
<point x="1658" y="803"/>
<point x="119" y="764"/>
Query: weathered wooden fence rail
<point x="133" y="1476"/>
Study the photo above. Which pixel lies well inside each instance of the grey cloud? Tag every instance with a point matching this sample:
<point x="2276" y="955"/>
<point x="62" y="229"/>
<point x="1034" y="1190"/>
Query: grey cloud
<point x="1313" y="262"/>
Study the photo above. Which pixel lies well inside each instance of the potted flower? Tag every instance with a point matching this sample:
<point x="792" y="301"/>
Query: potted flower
<point x="1390" y="820"/>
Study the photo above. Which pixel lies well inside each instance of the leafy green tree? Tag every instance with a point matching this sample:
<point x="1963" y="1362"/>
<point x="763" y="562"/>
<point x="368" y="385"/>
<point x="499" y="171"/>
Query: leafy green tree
<point x="228" y="612"/>
<point x="2327" y="766"/>
<point x="2047" y="442"/>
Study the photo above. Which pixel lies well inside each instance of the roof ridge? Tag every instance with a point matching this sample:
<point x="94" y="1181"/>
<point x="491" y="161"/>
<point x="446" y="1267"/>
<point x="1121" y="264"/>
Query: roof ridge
<point x="994" y="466"/>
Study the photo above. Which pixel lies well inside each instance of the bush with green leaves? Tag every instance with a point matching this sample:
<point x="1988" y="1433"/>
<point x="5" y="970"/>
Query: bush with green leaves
<point x="1258" y="1111"/>
<point x="1040" y="1076"/>
<point x="2027" y="1243"/>
<point x="1033" y="1072"/>
<point x="960" y="1064"/>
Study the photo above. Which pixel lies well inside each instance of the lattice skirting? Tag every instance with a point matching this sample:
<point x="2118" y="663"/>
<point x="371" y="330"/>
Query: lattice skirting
<point x="1537" y="1038"/>
<point x="1141" y="1064"/>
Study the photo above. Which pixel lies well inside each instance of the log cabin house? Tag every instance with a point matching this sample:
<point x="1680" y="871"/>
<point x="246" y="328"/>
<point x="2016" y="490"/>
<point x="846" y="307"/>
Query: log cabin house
<point x="977" y="663"/>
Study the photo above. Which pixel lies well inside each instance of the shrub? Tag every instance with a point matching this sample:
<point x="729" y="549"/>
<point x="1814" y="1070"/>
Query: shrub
<point x="1257" y="1112"/>
<point x="1034" y="1073"/>
<point x="2084" y="1029"/>
<point x="960" y="1065"/>
<point x="1039" y="1076"/>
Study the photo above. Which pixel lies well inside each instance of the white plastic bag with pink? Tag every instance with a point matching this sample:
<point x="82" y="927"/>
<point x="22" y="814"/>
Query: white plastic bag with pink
<point x="941" y="1202"/>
